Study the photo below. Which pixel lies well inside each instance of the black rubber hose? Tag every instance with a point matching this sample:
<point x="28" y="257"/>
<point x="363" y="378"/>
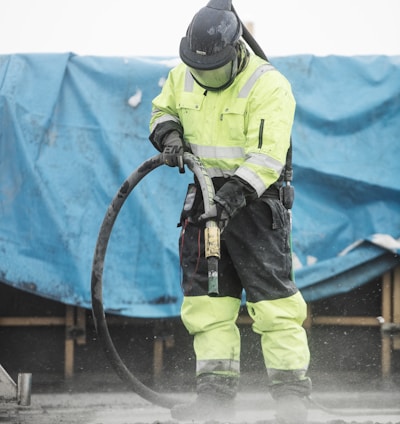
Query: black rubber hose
<point x="250" y="40"/>
<point x="98" y="265"/>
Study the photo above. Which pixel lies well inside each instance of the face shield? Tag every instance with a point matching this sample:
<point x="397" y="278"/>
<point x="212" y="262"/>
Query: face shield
<point x="215" y="79"/>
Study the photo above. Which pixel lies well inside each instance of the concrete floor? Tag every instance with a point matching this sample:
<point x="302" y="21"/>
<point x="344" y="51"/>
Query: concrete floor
<point x="345" y="371"/>
<point x="251" y="407"/>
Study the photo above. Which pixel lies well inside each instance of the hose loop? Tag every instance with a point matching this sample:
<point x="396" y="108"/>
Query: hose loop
<point x="103" y="238"/>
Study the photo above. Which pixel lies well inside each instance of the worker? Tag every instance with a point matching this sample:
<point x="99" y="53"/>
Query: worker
<point x="234" y="111"/>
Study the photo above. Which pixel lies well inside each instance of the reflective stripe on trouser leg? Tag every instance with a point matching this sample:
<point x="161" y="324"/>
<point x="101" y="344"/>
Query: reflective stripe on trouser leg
<point x="212" y="322"/>
<point x="283" y="339"/>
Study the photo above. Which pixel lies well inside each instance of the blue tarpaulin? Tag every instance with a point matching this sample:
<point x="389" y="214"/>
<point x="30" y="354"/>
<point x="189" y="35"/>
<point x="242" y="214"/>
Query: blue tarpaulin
<point x="74" y="127"/>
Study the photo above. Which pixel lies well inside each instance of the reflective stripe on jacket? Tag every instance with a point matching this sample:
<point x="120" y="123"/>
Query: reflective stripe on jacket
<point x="242" y="130"/>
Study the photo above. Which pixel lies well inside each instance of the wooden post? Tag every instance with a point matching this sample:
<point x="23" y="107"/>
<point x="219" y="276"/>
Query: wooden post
<point x="81" y="325"/>
<point x="307" y="324"/>
<point x="158" y="360"/>
<point x="396" y="305"/>
<point x="69" y="342"/>
<point x="387" y="316"/>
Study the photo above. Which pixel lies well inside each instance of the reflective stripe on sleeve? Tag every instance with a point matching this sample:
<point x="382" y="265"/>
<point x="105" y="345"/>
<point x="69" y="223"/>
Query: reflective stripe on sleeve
<point x="265" y="161"/>
<point x="252" y="178"/>
<point x="162" y="118"/>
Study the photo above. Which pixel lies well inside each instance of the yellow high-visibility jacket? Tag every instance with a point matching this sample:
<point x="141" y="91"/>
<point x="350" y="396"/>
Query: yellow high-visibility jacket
<point x="243" y="130"/>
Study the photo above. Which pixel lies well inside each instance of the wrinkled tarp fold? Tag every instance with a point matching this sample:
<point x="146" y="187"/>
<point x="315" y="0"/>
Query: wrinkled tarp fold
<point x="73" y="128"/>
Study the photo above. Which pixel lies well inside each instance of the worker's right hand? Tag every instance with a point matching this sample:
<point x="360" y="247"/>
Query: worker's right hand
<point x="173" y="151"/>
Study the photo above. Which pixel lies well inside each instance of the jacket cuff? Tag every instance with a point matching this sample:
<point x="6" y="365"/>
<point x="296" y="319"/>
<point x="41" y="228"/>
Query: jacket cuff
<point x="161" y="131"/>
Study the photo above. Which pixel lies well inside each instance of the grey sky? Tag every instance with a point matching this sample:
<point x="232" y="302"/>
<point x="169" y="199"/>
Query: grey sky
<point x="154" y="28"/>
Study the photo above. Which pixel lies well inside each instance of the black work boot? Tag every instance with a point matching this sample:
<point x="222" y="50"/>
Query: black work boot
<point x="205" y="408"/>
<point x="215" y="399"/>
<point x="291" y="409"/>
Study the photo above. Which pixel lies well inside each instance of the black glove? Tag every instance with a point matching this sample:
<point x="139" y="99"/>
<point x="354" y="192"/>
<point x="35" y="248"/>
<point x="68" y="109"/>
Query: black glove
<point x="173" y="150"/>
<point x="218" y="213"/>
<point x="231" y="197"/>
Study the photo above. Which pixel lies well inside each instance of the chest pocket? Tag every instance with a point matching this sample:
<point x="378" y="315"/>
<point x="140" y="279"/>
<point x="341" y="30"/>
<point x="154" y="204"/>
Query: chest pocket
<point x="189" y="102"/>
<point x="234" y="121"/>
<point x="189" y="106"/>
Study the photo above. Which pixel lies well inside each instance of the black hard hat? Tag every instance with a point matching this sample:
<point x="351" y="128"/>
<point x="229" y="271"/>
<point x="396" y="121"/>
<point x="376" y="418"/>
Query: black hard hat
<point x="211" y="37"/>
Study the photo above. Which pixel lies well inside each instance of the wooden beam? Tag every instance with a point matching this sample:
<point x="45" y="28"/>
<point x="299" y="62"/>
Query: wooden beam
<point x="362" y="321"/>
<point x="31" y="321"/>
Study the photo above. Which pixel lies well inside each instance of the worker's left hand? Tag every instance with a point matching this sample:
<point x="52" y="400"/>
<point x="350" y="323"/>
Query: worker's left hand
<point x="218" y="213"/>
<point x="229" y="199"/>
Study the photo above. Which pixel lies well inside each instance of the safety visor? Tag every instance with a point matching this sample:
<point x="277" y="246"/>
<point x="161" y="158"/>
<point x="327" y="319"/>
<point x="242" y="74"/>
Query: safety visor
<point x="213" y="79"/>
